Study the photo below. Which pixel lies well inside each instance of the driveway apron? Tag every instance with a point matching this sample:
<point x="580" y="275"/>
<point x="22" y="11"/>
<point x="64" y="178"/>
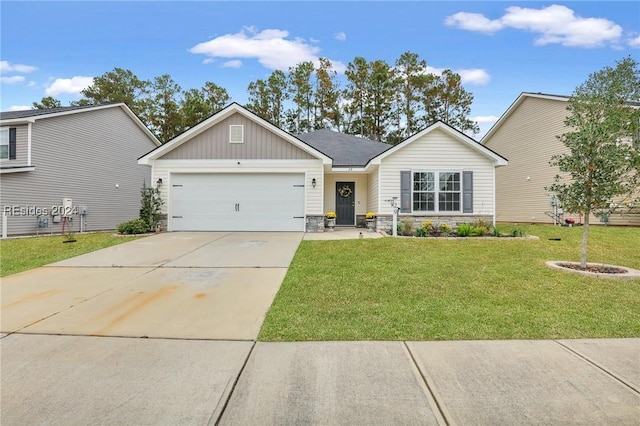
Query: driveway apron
<point x="173" y="285"/>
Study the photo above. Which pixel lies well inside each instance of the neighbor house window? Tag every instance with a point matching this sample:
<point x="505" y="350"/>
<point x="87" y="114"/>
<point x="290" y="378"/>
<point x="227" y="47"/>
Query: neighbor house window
<point x="4" y="144"/>
<point x="436" y="192"/>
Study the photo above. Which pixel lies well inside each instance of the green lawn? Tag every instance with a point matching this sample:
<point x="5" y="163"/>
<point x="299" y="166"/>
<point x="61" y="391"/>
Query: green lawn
<point x="426" y="289"/>
<point x="21" y="254"/>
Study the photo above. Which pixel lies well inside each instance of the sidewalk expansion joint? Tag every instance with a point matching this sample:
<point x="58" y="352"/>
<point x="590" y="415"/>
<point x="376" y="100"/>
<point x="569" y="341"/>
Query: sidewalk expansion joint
<point x="233" y="388"/>
<point x="599" y="367"/>
<point x="434" y="401"/>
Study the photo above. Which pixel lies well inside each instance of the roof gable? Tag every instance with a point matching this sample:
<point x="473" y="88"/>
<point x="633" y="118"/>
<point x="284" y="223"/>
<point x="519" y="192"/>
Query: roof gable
<point x="455" y="134"/>
<point x="33" y="115"/>
<point x="522" y="98"/>
<point x="219" y="118"/>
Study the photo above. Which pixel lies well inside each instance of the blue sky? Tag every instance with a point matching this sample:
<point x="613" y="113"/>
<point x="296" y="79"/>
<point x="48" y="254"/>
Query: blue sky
<point x="500" y="48"/>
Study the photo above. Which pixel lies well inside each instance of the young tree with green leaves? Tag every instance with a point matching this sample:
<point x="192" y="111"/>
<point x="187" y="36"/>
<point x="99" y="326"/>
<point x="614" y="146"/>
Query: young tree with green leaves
<point x="164" y="116"/>
<point x="445" y="99"/>
<point x="47" y="102"/>
<point x="300" y="118"/>
<point x="119" y="85"/>
<point x="326" y="96"/>
<point x="602" y="123"/>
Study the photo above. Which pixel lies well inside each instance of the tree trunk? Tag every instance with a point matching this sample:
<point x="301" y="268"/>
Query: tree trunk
<point x="585" y="237"/>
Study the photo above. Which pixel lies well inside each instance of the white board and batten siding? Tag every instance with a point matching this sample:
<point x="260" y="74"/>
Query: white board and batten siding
<point x="437" y="151"/>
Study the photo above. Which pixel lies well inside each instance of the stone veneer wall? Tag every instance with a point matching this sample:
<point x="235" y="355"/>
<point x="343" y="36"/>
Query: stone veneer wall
<point x="315" y="224"/>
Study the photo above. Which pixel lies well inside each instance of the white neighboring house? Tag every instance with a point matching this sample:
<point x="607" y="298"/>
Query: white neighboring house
<point x="86" y="154"/>
<point x="238" y="172"/>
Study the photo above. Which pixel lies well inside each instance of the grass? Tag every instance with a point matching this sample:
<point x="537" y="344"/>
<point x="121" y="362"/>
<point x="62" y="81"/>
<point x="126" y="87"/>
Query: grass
<point x="21" y="254"/>
<point x="426" y="289"/>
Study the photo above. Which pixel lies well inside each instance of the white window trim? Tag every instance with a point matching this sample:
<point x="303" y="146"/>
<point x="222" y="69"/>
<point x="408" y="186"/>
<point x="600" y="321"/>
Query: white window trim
<point x="235" y="127"/>
<point x="436" y="173"/>
<point x="2" y="130"/>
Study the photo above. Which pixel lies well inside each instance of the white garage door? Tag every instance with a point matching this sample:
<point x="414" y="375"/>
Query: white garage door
<point x="237" y="202"/>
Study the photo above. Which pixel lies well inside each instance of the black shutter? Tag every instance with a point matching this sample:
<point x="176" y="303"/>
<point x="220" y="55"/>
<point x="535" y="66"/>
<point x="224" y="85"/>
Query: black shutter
<point x="405" y="191"/>
<point x="12" y="143"/>
<point x="467" y="192"/>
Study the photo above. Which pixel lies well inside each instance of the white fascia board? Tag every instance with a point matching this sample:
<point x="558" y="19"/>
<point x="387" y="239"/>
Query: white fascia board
<point x="275" y="166"/>
<point x="16" y="121"/>
<point x="358" y="170"/>
<point x="18" y="169"/>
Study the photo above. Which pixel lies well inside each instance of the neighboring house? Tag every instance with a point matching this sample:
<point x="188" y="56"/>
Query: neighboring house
<point x="527" y="133"/>
<point x="238" y="172"/>
<point x="85" y="154"/>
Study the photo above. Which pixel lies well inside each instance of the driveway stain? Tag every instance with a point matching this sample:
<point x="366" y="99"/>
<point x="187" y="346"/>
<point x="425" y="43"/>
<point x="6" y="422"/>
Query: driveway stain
<point x="132" y="306"/>
<point x="34" y="296"/>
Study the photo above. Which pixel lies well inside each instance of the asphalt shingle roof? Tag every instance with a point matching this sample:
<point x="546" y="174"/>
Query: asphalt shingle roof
<point x="346" y="150"/>
<point x="27" y="113"/>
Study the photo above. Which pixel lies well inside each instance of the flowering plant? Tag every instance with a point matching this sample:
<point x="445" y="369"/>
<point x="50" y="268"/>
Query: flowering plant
<point x="330" y="215"/>
<point x="371" y="215"/>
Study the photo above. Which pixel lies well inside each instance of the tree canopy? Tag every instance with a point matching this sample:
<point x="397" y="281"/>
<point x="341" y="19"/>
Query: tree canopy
<point x="378" y="101"/>
<point x="602" y="140"/>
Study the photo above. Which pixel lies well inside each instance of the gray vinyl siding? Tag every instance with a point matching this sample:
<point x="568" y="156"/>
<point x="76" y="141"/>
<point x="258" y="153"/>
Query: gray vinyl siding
<point x="21" y="147"/>
<point x="528" y="138"/>
<point x="82" y="156"/>
<point x="259" y="143"/>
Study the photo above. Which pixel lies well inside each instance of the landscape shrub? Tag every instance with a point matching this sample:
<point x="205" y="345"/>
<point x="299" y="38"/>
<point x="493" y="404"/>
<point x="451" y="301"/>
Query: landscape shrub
<point x="464" y="229"/>
<point x="135" y="226"/>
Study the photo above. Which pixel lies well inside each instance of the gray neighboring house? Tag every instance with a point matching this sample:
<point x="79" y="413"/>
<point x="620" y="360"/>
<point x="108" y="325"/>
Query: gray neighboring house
<point x="84" y="155"/>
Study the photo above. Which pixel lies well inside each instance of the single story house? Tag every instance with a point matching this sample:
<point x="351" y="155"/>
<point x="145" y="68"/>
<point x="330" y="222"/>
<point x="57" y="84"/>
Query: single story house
<point x="238" y="172"/>
<point x="527" y="133"/>
<point x="71" y="166"/>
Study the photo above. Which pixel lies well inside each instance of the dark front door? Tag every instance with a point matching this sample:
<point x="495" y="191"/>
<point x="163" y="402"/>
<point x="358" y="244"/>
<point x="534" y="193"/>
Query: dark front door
<point x="346" y="203"/>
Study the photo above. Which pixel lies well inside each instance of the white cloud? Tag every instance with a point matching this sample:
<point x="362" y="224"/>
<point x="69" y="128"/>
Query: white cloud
<point x="475" y="77"/>
<point x="236" y="63"/>
<point x="6" y="66"/>
<point x="473" y="22"/>
<point x="483" y="119"/>
<point x="271" y="47"/>
<point x="12" y="80"/>
<point x="472" y="76"/>
<point x="19" y="107"/>
<point x="634" y="42"/>
<point x="554" y="24"/>
<point x="341" y="36"/>
<point x="31" y="84"/>
<point x="73" y="85"/>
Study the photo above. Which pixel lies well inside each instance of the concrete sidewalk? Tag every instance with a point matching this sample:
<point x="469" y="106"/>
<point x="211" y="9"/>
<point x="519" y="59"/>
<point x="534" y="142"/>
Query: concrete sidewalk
<point x="105" y="380"/>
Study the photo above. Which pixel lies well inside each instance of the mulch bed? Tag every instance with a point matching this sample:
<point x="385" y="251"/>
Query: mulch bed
<point x="596" y="269"/>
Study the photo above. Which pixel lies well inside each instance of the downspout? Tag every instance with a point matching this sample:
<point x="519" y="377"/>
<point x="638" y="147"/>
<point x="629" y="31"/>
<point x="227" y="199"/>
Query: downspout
<point x="494" y="194"/>
<point x="29" y="144"/>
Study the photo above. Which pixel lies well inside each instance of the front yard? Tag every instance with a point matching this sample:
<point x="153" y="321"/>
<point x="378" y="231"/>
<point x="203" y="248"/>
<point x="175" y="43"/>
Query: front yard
<point x="21" y="254"/>
<point x="426" y="289"/>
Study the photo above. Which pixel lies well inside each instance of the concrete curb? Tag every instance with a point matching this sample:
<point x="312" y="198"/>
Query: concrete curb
<point x="629" y="275"/>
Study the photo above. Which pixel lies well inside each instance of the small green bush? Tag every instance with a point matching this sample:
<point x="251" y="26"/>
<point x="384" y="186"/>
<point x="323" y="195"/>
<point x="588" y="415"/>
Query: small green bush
<point x="478" y="231"/>
<point x="445" y="229"/>
<point x="517" y="233"/>
<point x="464" y="229"/>
<point x="135" y="226"/>
<point x="421" y="232"/>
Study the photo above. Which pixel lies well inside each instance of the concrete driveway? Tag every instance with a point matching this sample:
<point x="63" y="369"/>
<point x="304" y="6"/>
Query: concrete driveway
<point x="171" y="285"/>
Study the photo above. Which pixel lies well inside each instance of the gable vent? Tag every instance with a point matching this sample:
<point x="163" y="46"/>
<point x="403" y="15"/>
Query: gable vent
<point x="236" y="133"/>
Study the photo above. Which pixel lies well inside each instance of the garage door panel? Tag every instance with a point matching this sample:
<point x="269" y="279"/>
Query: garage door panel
<point x="237" y="202"/>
